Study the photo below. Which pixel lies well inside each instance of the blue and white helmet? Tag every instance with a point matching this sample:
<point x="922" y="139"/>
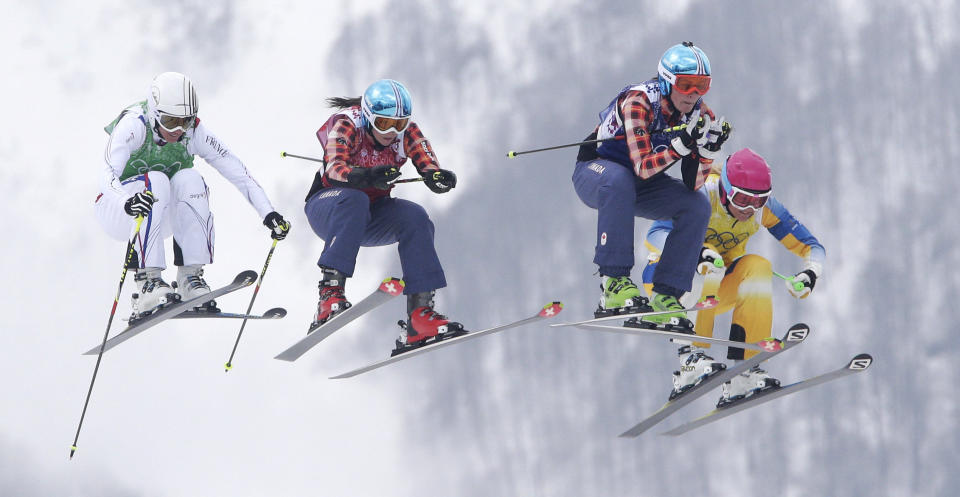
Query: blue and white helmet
<point x="389" y="99"/>
<point x="681" y="59"/>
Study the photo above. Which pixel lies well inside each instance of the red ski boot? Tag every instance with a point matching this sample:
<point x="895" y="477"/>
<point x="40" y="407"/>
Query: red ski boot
<point x="332" y="301"/>
<point x="425" y="323"/>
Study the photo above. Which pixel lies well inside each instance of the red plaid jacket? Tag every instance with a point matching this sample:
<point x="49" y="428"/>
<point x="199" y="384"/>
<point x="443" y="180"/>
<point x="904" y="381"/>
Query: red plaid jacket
<point x="348" y="146"/>
<point x="637" y="116"/>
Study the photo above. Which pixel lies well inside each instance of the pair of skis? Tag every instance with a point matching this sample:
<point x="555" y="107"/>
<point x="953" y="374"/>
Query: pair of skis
<point x="185" y="309"/>
<point x="389" y="288"/>
<point x="768" y="348"/>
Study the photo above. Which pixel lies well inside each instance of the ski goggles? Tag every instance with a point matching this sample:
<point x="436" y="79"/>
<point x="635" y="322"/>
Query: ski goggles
<point x="745" y="198"/>
<point x="385" y="124"/>
<point x="688" y="83"/>
<point x="175" y="123"/>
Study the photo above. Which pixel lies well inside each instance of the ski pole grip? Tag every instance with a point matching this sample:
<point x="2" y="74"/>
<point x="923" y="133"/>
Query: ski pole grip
<point x="797" y="286"/>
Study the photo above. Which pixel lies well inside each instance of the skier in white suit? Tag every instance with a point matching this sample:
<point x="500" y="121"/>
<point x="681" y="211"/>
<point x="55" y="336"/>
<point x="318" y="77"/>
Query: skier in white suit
<point x="149" y="171"/>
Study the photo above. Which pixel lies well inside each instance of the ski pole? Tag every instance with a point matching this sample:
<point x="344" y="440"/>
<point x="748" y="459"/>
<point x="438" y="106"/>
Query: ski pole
<point x="797" y="286"/>
<point x="127" y="260"/>
<point x="314" y="159"/>
<point x="229" y="363"/>
<point x="511" y="154"/>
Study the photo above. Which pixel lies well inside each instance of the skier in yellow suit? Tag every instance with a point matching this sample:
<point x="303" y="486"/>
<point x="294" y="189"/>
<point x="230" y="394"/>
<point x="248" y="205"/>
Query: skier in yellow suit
<point x="741" y="202"/>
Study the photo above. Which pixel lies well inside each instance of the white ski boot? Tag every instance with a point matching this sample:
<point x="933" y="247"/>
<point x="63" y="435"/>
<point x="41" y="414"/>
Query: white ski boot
<point x="695" y="366"/>
<point x="746" y="384"/>
<point x="152" y="292"/>
<point x="190" y="284"/>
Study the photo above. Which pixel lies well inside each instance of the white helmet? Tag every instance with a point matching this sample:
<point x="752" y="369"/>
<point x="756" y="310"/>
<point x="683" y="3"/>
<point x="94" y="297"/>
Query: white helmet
<point x="172" y="103"/>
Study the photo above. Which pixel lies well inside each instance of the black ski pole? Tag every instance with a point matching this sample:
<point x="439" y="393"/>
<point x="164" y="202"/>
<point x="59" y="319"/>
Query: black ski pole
<point x="127" y="260"/>
<point x="314" y="159"/>
<point x="511" y="154"/>
<point x="229" y="364"/>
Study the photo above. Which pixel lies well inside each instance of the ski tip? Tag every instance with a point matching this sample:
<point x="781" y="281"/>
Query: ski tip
<point x="797" y="333"/>
<point x="275" y="313"/>
<point x="860" y="362"/>
<point x="392" y="286"/>
<point x="552" y="309"/>
<point x="245" y="278"/>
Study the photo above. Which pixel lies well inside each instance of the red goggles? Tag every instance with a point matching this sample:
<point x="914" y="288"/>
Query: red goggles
<point x="689" y="83"/>
<point x="744" y="198"/>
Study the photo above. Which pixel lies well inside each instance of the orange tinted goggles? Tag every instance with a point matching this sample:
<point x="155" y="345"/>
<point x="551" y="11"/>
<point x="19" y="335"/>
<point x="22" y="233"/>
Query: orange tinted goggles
<point x="688" y="83"/>
<point x="385" y="124"/>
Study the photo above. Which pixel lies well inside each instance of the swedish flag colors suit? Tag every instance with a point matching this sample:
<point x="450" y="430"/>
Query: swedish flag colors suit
<point x="746" y="285"/>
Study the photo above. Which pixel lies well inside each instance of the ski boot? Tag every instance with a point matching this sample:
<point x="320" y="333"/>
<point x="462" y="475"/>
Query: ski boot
<point x="673" y="321"/>
<point x="745" y="385"/>
<point x="332" y="301"/>
<point x="695" y="366"/>
<point x="152" y="293"/>
<point x="190" y="284"/>
<point x="424" y="324"/>
<point x="620" y="296"/>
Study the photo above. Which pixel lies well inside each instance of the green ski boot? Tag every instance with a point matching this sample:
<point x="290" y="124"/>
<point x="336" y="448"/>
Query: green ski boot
<point x="673" y="321"/>
<point x="620" y="296"/>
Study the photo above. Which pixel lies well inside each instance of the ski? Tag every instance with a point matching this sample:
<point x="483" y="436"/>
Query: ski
<point x="389" y="288"/>
<point x="275" y="313"/>
<point x="794" y="336"/>
<point x="856" y="365"/>
<point x="706" y="303"/>
<point x="168" y="311"/>
<point x="765" y="345"/>
<point x="548" y="311"/>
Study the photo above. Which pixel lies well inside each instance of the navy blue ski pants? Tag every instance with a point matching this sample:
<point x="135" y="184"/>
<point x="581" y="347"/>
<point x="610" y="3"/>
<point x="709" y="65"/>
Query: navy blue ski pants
<point x="618" y="197"/>
<point x="346" y="220"/>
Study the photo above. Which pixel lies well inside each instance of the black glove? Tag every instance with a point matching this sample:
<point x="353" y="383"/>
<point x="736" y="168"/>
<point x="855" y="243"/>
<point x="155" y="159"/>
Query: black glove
<point x="139" y="204"/>
<point x="277" y="226"/>
<point x="440" y="181"/>
<point x="808" y="278"/>
<point x="687" y="141"/>
<point x="376" y="176"/>
<point x="709" y="260"/>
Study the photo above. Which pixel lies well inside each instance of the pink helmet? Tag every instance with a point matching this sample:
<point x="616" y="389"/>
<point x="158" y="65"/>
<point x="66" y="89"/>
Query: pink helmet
<point x="746" y="170"/>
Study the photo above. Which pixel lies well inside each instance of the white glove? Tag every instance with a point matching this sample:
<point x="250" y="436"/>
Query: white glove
<point x="687" y="141"/>
<point x="709" y="259"/>
<point x="802" y="284"/>
<point x="713" y="139"/>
